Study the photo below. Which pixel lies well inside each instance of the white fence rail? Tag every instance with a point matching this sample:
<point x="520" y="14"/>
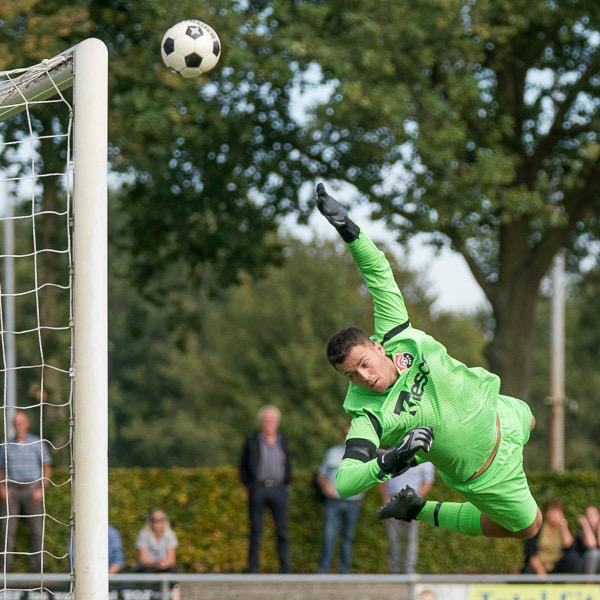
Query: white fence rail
<point x="345" y="587"/>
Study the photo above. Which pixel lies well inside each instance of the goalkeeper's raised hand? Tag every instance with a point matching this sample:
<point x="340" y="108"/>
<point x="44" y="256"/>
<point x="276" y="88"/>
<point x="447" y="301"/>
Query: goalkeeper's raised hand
<point x="337" y="215"/>
<point x="402" y="457"/>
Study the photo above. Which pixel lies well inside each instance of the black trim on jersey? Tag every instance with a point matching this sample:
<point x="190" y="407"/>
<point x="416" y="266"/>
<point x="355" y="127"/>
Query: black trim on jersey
<point x="376" y="424"/>
<point x="360" y="449"/>
<point x="395" y="331"/>
<point x="436" y="514"/>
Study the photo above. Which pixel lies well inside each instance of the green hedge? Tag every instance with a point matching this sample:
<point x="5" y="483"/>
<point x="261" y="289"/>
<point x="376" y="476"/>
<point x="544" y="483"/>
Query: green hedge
<point x="208" y="511"/>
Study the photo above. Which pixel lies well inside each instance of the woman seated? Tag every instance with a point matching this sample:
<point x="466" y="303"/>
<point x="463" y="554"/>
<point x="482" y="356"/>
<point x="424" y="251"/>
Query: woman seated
<point x="156" y="544"/>
<point x="587" y="540"/>
<point x="552" y="550"/>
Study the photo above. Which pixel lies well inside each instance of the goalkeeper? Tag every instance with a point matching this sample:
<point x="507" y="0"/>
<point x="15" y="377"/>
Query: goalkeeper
<point x="406" y="393"/>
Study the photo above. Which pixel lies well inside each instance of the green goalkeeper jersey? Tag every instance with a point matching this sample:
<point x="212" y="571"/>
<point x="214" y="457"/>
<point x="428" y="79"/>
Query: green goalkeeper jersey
<point x="433" y="390"/>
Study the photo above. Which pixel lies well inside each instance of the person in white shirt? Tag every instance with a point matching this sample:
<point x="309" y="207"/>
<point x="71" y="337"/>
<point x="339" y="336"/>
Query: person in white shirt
<point x="156" y="544"/>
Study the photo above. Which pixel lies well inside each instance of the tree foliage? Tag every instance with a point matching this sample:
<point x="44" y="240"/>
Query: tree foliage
<point x="201" y="164"/>
<point x="475" y="121"/>
<point x="472" y="120"/>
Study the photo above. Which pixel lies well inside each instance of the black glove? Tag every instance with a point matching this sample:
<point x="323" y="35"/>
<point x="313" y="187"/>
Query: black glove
<point x="402" y="457"/>
<point x="337" y="215"/>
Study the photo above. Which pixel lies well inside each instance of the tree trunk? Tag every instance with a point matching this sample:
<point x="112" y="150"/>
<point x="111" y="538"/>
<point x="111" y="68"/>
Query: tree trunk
<point x="509" y="353"/>
<point x="513" y="298"/>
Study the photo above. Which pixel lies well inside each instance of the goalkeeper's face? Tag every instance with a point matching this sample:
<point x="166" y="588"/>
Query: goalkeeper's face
<point x="368" y="367"/>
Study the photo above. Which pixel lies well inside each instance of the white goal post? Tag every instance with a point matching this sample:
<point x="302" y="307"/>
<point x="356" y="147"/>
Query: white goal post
<point x="85" y="68"/>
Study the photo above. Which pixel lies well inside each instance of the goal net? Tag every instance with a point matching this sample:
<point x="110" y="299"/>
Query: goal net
<point x="53" y="324"/>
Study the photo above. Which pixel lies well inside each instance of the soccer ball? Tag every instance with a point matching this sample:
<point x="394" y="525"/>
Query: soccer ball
<point x="190" y="48"/>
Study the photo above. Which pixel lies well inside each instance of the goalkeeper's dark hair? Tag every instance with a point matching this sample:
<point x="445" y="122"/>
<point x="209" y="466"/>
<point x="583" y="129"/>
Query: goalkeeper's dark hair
<point x="342" y="342"/>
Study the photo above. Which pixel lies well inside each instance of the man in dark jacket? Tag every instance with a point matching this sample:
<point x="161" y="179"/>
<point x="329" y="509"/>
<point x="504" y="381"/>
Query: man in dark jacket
<point x="266" y="472"/>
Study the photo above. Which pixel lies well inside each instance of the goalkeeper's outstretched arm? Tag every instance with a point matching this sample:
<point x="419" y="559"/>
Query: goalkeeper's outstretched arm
<point x="390" y="310"/>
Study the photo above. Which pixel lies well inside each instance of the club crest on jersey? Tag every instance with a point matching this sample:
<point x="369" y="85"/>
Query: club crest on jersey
<point x="403" y="361"/>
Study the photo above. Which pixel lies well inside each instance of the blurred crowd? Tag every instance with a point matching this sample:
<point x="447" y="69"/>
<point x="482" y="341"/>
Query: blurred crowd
<point x="25" y="470"/>
<point x="556" y="550"/>
<point x="266" y="472"/>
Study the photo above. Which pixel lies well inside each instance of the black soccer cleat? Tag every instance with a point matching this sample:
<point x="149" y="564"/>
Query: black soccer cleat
<point x="337" y="215"/>
<point x="405" y="505"/>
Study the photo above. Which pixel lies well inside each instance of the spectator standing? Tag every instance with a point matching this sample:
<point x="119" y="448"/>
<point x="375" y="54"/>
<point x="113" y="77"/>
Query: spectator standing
<point x="587" y="540"/>
<point x="25" y="469"/>
<point x="403" y="536"/>
<point x="265" y="470"/>
<point x="116" y="557"/>
<point x="156" y="544"/>
<point x="339" y="513"/>
<point x="552" y="550"/>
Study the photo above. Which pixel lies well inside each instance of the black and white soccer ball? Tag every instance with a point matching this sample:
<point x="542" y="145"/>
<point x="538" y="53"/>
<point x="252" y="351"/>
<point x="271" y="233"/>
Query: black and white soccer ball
<point x="190" y="48"/>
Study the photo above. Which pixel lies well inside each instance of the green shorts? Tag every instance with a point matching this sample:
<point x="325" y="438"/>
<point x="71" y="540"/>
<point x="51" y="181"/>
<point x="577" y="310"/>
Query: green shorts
<point x="502" y="491"/>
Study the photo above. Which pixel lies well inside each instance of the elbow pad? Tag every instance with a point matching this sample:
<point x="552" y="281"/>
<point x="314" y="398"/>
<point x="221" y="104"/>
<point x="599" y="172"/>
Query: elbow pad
<point x="360" y="449"/>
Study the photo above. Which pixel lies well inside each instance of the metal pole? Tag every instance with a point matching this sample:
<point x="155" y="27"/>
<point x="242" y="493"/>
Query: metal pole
<point x="9" y="308"/>
<point x="164" y="589"/>
<point x="557" y="366"/>
<point x="90" y="300"/>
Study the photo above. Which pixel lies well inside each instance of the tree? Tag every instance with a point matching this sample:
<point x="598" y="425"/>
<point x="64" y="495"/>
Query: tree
<point x="206" y="164"/>
<point x="200" y="164"/>
<point x="197" y="164"/>
<point x="474" y="121"/>
<point x="204" y="170"/>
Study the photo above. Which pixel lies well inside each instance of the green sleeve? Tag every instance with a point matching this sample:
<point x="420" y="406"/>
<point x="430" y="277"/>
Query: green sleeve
<point x="355" y="476"/>
<point x="390" y="309"/>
